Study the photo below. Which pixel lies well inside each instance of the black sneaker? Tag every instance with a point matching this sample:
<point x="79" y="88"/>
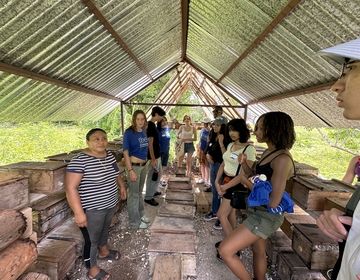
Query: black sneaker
<point x="157" y="193"/>
<point x="208" y="189"/>
<point x="219" y="257"/>
<point x="217" y="225"/>
<point x="152" y="202"/>
<point x="210" y="216"/>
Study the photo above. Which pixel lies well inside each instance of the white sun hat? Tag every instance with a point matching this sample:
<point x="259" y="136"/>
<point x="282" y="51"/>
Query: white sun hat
<point x="339" y="52"/>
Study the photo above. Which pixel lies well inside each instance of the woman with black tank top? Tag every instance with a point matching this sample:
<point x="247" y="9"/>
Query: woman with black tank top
<point x="276" y="129"/>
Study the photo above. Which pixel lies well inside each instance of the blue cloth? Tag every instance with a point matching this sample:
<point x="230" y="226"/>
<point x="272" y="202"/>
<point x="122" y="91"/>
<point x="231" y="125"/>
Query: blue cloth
<point x="136" y="143"/>
<point x="164" y="139"/>
<point x="204" y="135"/>
<point x="260" y="196"/>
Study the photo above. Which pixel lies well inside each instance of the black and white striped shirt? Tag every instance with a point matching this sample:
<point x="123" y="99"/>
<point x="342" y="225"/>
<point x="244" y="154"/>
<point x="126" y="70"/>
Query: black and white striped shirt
<point x="98" y="187"/>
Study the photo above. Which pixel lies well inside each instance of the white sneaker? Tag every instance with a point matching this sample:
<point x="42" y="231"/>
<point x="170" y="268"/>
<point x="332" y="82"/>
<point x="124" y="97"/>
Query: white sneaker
<point x="145" y="219"/>
<point x="143" y="225"/>
<point x="200" y="181"/>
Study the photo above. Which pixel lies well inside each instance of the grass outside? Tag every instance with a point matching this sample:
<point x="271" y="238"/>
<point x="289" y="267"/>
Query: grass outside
<point x="33" y="142"/>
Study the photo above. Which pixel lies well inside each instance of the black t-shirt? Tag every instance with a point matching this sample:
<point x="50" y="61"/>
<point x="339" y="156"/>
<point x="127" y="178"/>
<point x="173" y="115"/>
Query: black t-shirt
<point x="214" y="151"/>
<point x="153" y="132"/>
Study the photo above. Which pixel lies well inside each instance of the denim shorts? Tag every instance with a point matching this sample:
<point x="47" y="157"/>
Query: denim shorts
<point x="262" y="223"/>
<point x="189" y="148"/>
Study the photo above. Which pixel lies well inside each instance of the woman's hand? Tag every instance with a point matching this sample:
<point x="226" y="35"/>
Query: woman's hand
<point x="132" y="175"/>
<point x="331" y="223"/>
<point x="223" y="188"/>
<point x="218" y="189"/>
<point x="122" y="193"/>
<point x="80" y="219"/>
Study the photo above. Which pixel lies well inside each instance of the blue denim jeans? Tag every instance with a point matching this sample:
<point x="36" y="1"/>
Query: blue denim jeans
<point x="216" y="199"/>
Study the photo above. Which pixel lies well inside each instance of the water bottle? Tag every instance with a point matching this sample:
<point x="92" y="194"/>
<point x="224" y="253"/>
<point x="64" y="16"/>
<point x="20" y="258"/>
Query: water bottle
<point x="258" y="178"/>
<point x="155" y="175"/>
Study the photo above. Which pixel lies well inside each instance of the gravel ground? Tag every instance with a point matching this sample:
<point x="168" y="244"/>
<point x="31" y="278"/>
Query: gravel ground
<point x="134" y="261"/>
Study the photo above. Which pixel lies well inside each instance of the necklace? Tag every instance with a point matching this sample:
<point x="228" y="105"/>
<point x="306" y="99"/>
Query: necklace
<point x="103" y="166"/>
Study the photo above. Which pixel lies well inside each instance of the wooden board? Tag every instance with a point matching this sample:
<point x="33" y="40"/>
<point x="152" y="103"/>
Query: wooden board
<point x="276" y="243"/>
<point x="313" y="247"/>
<point x="336" y="202"/>
<point x="56" y="258"/>
<point x="176" y="210"/>
<point x="305" y="169"/>
<point x="179" y="179"/>
<point x="310" y="192"/>
<point x="50" y="212"/>
<point x="44" y="177"/>
<point x="65" y="157"/>
<point x="179" y="196"/>
<point x="167" y="268"/>
<point x="34" y="276"/>
<point x="14" y="193"/>
<point x="69" y="231"/>
<point x="27" y="212"/>
<point x="13" y="225"/>
<point x="188" y="267"/>
<point x="173" y="186"/>
<point x="172" y="243"/>
<point x="202" y="204"/>
<point x="291" y="267"/>
<point x="172" y="225"/>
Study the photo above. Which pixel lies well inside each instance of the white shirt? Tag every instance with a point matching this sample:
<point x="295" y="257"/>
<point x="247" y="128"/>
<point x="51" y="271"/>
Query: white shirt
<point x="350" y="264"/>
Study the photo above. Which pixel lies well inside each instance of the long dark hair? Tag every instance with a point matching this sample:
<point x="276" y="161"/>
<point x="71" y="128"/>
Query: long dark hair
<point x="278" y="129"/>
<point x="92" y="131"/>
<point x="240" y="126"/>
<point x="213" y="135"/>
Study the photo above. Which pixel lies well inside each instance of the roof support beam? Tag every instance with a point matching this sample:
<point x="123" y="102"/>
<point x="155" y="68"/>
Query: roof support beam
<point x="183" y="105"/>
<point x="45" y="79"/>
<point x="279" y="18"/>
<point x="100" y="17"/>
<point x="212" y="80"/>
<point x="294" y="93"/>
<point x="153" y="81"/>
<point x="184" y="27"/>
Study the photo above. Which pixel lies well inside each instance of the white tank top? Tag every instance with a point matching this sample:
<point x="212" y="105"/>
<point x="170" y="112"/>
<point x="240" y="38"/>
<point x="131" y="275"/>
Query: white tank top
<point x="186" y="134"/>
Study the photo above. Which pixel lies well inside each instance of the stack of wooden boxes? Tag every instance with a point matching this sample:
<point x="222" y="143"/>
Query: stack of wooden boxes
<point x="300" y="250"/>
<point x="37" y="188"/>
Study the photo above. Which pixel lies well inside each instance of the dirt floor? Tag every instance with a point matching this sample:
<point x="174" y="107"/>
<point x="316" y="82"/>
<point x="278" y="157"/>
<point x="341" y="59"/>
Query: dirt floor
<point x="134" y="261"/>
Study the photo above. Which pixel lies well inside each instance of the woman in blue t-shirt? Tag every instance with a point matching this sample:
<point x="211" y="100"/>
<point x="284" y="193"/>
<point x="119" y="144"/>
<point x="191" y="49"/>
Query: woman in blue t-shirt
<point x="135" y="146"/>
<point x="164" y="141"/>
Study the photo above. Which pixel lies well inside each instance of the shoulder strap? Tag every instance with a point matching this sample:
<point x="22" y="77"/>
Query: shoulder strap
<point x="293" y="163"/>
<point x="239" y="166"/>
<point x="269" y="154"/>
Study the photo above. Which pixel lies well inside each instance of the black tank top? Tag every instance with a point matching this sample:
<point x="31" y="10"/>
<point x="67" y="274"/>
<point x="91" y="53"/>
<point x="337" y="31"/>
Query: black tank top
<point x="266" y="168"/>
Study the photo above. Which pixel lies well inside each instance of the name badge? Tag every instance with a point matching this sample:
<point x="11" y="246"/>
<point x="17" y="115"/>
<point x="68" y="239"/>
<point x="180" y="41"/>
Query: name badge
<point x="233" y="156"/>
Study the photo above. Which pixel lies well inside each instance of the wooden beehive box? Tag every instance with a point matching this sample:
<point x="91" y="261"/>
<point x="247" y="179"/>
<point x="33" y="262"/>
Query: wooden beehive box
<point x="44" y="177"/>
<point x="314" y="247"/>
<point x="49" y="212"/>
<point x="291" y="267"/>
<point x="301" y="169"/>
<point x="14" y="192"/>
<point x="310" y="191"/>
<point x="276" y="243"/>
<point x="56" y="258"/>
<point x="336" y="202"/>
<point x="298" y="217"/>
<point x="65" y="157"/>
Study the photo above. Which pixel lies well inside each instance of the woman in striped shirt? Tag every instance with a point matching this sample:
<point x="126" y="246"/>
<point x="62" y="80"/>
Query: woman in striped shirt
<point x="91" y="182"/>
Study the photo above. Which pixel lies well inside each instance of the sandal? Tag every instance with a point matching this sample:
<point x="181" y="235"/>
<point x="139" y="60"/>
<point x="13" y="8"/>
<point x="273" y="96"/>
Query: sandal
<point x="113" y="256"/>
<point x="102" y="275"/>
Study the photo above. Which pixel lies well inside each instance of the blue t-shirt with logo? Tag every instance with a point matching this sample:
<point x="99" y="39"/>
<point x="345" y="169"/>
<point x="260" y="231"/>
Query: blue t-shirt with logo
<point x="136" y="143"/>
<point x="204" y="134"/>
<point x="164" y="139"/>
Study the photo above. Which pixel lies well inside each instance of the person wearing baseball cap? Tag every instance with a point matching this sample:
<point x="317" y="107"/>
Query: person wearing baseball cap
<point x="217" y="112"/>
<point x="336" y="225"/>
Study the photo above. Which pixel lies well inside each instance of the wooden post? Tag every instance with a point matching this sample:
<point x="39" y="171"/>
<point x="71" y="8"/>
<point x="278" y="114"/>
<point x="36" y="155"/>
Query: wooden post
<point x="122" y="117"/>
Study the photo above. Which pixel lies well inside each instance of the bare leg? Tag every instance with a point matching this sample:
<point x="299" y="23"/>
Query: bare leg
<point x="181" y="158"/>
<point x="188" y="164"/>
<point x="259" y="258"/>
<point x="223" y="215"/>
<point x="239" y="239"/>
<point x="232" y="217"/>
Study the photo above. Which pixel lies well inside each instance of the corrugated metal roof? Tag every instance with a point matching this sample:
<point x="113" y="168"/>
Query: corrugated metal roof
<point x="251" y="49"/>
